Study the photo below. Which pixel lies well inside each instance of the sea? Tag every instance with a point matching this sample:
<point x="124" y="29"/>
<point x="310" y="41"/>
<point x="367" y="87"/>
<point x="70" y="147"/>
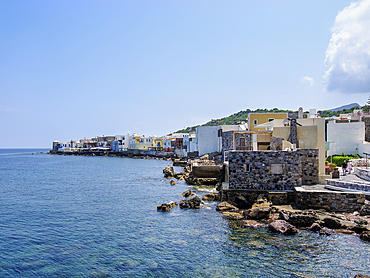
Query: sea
<point x="77" y="216"/>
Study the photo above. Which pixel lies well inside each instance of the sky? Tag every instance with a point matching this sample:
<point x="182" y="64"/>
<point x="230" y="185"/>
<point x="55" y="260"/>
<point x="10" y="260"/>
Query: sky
<point x="76" y="69"/>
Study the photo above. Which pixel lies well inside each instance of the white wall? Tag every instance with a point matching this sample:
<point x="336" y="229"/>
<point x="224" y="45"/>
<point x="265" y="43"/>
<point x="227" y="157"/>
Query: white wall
<point x="345" y="138"/>
<point x="207" y="138"/>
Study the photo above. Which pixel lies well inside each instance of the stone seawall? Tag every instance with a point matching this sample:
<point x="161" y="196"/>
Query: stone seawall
<point x="329" y="200"/>
<point x="250" y="196"/>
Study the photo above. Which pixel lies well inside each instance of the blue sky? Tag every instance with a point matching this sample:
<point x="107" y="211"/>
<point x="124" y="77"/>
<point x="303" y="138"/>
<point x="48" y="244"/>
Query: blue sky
<point x="74" y="69"/>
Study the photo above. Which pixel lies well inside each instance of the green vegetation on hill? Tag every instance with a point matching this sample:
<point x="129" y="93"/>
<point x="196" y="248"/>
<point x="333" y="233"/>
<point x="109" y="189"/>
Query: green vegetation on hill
<point x="241" y="116"/>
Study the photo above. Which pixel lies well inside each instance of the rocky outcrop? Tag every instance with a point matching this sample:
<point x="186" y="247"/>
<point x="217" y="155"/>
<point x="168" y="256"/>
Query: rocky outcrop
<point x="283" y="227"/>
<point x="167" y="207"/>
<point x="211" y="197"/>
<point x="193" y="203"/>
<point x="361" y="276"/>
<point x="303" y="219"/>
<point x="187" y="193"/>
<point x="225" y="206"/>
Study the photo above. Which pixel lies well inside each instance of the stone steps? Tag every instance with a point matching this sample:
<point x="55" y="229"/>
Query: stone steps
<point x="351" y="186"/>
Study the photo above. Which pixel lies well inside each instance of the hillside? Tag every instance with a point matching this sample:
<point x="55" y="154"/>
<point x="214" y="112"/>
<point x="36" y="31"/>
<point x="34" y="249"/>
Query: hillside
<point x="241" y="116"/>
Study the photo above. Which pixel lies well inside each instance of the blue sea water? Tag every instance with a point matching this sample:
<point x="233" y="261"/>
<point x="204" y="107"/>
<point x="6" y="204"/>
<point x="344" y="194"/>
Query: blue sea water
<point x="73" y="216"/>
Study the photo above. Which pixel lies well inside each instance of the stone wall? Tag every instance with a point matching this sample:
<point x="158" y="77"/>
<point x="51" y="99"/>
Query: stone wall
<point x="309" y="158"/>
<point x="227" y="141"/>
<point x="248" y="144"/>
<point x="272" y="170"/>
<point x="366" y="120"/>
<point x="250" y="197"/>
<point x="330" y="200"/>
<point x="276" y="144"/>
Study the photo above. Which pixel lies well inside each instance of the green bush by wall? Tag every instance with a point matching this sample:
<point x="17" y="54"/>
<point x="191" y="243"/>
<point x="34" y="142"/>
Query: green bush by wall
<point x="338" y="159"/>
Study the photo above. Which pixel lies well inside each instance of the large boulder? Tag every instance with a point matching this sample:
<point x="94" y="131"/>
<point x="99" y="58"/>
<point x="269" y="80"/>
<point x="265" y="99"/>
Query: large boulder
<point x="257" y="213"/>
<point x="365" y="236"/>
<point x="168" y="172"/>
<point x="211" y="197"/>
<point x="167" y="207"/>
<point x="187" y="193"/>
<point x="225" y="206"/>
<point x="332" y="223"/>
<point x="315" y="227"/>
<point x="193" y="203"/>
<point x="303" y="219"/>
<point x="283" y="227"/>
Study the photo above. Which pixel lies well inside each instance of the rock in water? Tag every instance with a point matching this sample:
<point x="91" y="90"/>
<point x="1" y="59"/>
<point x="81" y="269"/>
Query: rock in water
<point x="303" y="219"/>
<point x="283" y="227"/>
<point x="332" y="223"/>
<point x="172" y="182"/>
<point x="167" y="207"/>
<point x="258" y="213"/>
<point x="233" y="215"/>
<point x="193" y="203"/>
<point x="365" y="236"/>
<point x="225" y="206"/>
<point x="315" y="227"/>
<point x="211" y="197"/>
<point x="187" y="193"/>
<point x="168" y="172"/>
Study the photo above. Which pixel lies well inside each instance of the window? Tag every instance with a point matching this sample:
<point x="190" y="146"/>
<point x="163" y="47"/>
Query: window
<point x="271" y="119"/>
<point x="276" y="169"/>
<point x="247" y="167"/>
<point x="255" y="122"/>
<point x="242" y="141"/>
<point x="220" y="133"/>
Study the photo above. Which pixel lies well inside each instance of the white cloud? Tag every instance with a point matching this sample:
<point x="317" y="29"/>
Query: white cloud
<point x="348" y="53"/>
<point x="307" y="80"/>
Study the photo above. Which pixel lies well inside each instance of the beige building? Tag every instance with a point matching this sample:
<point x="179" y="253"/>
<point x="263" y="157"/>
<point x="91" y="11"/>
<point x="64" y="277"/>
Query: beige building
<point x="310" y="134"/>
<point x="255" y="119"/>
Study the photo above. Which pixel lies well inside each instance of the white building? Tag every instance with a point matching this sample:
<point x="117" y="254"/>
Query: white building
<point x="209" y="138"/>
<point x="347" y="138"/>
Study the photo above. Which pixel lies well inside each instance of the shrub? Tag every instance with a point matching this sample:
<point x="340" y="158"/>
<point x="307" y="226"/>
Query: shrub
<point x="338" y="159"/>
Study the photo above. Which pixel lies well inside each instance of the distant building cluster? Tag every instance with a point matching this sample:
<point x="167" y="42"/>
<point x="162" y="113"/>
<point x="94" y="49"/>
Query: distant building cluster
<point x="347" y="134"/>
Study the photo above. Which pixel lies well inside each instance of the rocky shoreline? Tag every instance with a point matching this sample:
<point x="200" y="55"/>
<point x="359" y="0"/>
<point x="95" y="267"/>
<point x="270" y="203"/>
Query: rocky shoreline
<point x="284" y="219"/>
